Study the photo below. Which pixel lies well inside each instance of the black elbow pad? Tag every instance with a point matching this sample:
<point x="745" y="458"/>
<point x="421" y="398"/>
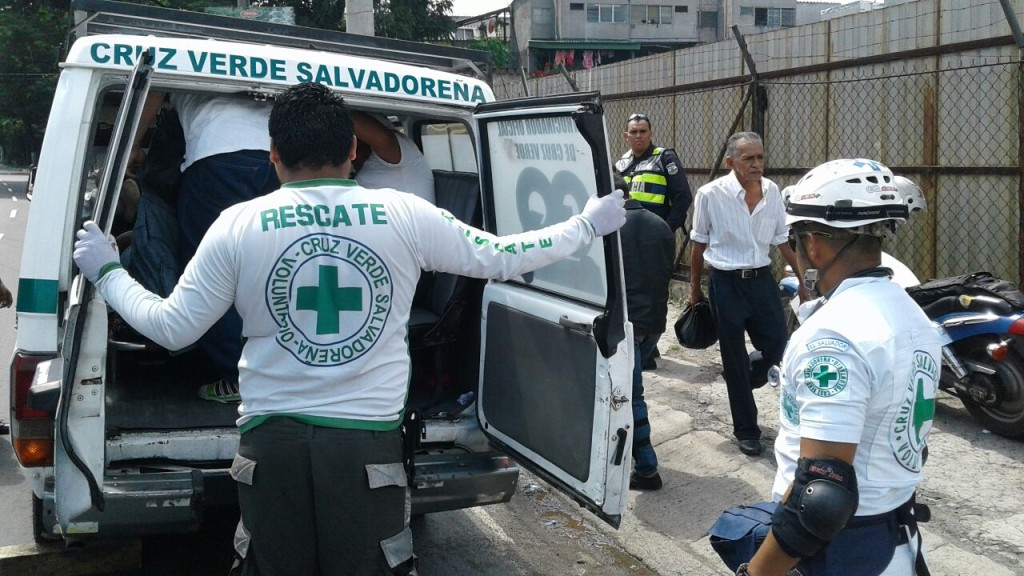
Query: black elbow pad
<point x="822" y="501"/>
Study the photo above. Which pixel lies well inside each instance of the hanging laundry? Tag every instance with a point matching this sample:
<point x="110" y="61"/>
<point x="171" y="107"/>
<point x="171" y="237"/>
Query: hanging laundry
<point x="588" y="59"/>
<point x="570" y="56"/>
<point x="559" y="57"/>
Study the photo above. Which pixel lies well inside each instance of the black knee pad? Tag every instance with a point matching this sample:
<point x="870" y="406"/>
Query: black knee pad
<point x="822" y="501"/>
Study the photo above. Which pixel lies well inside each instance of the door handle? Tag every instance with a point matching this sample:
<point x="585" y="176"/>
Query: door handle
<point x="582" y="327"/>
<point x="620" y="446"/>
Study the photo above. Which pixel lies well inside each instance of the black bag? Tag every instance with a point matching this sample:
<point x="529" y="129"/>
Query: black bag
<point x="977" y="283"/>
<point x="739" y="532"/>
<point x="695" y="327"/>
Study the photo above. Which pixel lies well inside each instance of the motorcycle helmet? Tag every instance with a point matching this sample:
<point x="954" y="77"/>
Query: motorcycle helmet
<point x="912" y="195"/>
<point x="859" y="195"/>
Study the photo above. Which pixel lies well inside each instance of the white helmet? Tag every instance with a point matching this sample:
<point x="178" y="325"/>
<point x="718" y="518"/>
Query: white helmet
<point x="912" y="195"/>
<point x="786" y="193"/>
<point x="856" y="194"/>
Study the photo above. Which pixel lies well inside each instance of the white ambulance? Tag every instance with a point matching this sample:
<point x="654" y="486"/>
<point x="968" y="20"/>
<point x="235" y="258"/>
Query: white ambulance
<point x="535" y="371"/>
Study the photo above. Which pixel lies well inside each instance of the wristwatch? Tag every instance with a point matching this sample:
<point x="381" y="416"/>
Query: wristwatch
<point x="742" y="570"/>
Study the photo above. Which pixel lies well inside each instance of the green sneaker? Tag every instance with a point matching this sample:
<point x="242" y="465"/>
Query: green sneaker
<point x="222" y="390"/>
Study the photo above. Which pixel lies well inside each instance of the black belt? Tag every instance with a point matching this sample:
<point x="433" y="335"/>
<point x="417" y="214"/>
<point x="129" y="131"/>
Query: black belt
<point x="745" y="273"/>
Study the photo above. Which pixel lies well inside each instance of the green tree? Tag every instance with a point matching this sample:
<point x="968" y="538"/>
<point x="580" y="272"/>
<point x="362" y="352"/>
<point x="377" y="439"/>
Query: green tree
<point x="501" y="56"/>
<point x="418" y="20"/>
<point x="31" y="33"/>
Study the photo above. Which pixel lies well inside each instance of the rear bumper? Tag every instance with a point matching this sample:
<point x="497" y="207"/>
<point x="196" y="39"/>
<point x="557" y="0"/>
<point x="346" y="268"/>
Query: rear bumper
<point x="138" y="502"/>
<point x="451" y="481"/>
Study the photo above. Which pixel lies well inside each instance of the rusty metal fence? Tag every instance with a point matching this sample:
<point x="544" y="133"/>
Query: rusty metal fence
<point x="950" y="122"/>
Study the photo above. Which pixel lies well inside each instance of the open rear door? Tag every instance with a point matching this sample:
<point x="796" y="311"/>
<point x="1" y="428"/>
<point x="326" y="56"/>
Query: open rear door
<point x="557" y="354"/>
<point x="80" y="427"/>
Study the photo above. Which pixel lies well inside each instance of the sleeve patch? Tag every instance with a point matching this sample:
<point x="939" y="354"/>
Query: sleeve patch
<point x="672" y="168"/>
<point x="828" y="344"/>
<point x="826" y="376"/>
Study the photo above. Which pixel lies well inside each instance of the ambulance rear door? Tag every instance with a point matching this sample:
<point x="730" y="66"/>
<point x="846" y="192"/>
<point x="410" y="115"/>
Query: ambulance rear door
<point x="557" y="354"/>
<point x="80" y="441"/>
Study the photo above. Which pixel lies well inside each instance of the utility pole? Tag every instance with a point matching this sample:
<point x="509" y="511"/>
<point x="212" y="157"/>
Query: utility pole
<point x="359" y="17"/>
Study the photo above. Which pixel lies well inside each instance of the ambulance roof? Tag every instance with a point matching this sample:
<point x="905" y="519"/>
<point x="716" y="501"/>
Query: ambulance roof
<point x="265" y="65"/>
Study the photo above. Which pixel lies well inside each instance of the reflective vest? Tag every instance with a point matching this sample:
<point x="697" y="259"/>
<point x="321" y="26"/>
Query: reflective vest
<point x="647" y="180"/>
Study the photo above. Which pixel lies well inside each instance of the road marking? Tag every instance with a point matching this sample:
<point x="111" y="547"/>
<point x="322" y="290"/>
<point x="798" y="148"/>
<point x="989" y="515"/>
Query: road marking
<point x="482" y="517"/>
<point x="1" y="235"/>
<point x="15" y="198"/>
<point x="14" y="213"/>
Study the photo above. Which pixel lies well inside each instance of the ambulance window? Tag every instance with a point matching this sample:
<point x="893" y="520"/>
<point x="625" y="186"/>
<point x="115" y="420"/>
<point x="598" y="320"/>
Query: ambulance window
<point x="448" y="147"/>
<point x="99" y="142"/>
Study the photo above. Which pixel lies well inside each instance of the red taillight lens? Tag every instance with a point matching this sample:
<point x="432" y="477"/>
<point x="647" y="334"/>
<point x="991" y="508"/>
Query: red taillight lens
<point x="998" y="351"/>
<point x="1017" y="327"/>
<point x="31" y="430"/>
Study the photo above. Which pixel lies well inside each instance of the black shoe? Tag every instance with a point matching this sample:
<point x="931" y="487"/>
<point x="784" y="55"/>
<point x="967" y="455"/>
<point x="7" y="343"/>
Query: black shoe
<point x="638" y="482"/>
<point x="751" y="447"/>
<point x="650" y="364"/>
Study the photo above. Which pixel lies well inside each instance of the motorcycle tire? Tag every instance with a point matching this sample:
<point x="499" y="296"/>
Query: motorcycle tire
<point x="1005" y="416"/>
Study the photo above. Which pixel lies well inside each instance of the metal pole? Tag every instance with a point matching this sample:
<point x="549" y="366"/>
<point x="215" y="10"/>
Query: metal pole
<point x="1018" y="37"/>
<point x="746" y="98"/>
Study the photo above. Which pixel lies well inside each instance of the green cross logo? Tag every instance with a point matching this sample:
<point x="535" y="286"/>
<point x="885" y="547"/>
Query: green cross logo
<point x="824" y="375"/>
<point x="328" y="299"/>
<point x="924" y="409"/>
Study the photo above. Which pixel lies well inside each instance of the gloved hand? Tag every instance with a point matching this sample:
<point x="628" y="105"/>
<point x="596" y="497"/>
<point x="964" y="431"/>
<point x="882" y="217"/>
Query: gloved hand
<point x="607" y="214"/>
<point x="95" y="253"/>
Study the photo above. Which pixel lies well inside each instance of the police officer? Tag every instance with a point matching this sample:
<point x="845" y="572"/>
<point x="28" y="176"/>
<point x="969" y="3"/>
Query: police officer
<point x="655" y="175"/>
<point x="857" y="386"/>
<point x="323" y="273"/>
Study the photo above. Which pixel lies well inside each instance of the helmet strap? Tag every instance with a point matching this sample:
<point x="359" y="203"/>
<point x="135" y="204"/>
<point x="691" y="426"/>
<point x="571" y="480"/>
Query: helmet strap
<point x="811" y="274"/>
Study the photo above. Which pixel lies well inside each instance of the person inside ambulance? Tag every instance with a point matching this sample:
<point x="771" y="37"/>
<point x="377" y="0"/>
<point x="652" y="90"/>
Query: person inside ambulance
<point x="386" y="158"/>
<point x="857" y="389"/>
<point x="323" y="272"/>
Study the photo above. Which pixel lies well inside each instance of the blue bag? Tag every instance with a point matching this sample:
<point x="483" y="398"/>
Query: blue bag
<point x="740" y="530"/>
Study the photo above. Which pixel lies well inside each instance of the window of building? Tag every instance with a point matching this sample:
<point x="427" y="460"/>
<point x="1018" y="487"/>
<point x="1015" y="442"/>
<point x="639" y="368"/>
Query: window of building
<point x="707" y="20"/>
<point x="542" y="16"/>
<point x="576" y="6"/>
<point x="682" y="9"/>
<point x="464" y="34"/>
<point x="615" y="13"/>
<point x="746" y="10"/>
<point x="650" y="14"/>
<point x="775" y="17"/>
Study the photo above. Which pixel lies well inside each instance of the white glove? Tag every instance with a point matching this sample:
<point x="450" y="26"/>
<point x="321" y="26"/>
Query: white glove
<point x="95" y="253"/>
<point x="606" y="214"/>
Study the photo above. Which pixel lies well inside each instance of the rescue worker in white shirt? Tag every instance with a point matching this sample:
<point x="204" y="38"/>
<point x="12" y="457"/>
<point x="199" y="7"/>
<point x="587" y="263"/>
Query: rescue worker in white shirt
<point x="857" y="389"/>
<point x="323" y="273"/>
<point x="654" y="175"/>
<point x="736" y="218"/>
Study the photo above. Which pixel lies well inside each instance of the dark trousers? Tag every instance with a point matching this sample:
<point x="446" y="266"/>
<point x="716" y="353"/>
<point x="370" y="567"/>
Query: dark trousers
<point x="750" y="306"/>
<point x="323" y="501"/>
<point x="645" y="460"/>
<point x="208" y="186"/>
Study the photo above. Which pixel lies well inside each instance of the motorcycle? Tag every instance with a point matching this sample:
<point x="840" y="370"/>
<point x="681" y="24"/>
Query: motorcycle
<point x="982" y="363"/>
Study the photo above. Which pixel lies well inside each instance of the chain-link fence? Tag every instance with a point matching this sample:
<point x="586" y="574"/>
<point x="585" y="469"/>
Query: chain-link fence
<point x="950" y="122"/>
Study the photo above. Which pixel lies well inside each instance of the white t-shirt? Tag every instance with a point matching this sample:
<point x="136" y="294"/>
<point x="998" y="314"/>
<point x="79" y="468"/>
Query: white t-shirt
<point x="221" y="124"/>
<point x="863" y="369"/>
<point x="323" y="274"/>
<point x="411" y="174"/>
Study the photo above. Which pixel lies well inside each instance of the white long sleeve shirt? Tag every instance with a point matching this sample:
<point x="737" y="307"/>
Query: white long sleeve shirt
<point x="323" y="274"/>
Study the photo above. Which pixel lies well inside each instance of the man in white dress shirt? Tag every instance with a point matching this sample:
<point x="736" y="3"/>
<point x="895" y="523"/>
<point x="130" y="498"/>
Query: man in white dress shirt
<point x="736" y="219"/>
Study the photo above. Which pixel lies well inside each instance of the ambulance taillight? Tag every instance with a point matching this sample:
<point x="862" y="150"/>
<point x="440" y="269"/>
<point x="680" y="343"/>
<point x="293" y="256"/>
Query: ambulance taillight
<point x="31" y="426"/>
